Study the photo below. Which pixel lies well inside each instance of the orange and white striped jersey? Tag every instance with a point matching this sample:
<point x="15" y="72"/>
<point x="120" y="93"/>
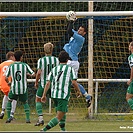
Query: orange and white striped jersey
<point x="3" y="67"/>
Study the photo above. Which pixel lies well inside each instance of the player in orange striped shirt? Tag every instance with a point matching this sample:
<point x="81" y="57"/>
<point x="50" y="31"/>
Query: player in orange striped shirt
<point x="4" y="87"/>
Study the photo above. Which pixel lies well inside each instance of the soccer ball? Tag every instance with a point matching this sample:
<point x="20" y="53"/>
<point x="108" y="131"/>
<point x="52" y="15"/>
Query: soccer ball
<point x="71" y="15"/>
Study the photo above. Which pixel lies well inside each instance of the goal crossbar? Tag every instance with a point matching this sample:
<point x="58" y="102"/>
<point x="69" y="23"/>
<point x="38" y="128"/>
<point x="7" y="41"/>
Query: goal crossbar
<point x="39" y="14"/>
<point x="94" y="80"/>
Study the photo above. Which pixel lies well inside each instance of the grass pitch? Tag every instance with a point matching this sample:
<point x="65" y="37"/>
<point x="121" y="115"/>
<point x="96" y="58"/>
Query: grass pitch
<point x="19" y="125"/>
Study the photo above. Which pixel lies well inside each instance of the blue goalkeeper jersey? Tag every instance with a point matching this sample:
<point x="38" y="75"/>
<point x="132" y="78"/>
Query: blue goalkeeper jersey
<point x="74" y="46"/>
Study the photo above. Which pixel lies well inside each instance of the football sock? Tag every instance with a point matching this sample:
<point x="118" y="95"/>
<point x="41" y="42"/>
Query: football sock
<point x="8" y="108"/>
<point x="130" y="102"/>
<point x="53" y="122"/>
<point x="14" y="102"/>
<point x="11" y="114"/>
<point x="3" y="111"/>
<point x="83" y="91"/>
<point x="4" y="103"/>
<point x="62" y="123"/>
<point x="27" y="111"/>
<point x="39" y="108"/>
<point x="40" y="118"/>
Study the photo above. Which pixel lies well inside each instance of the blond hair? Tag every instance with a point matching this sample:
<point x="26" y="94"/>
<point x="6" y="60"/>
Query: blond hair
<point x="48" y="48"/>
<point x="9" y="54"/>
<point x="131" y="43"/>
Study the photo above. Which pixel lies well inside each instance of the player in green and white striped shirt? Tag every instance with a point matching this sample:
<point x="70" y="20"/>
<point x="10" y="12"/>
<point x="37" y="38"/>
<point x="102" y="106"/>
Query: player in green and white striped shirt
<point x="129" y="94"/>
<point x="60" y="78"/>
<point x="44" y="66"/>
<point x="18" y="89"/>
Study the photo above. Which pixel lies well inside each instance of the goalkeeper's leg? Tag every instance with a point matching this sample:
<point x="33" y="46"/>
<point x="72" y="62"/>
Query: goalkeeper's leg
<point x="75" y="65"/>
<point x="87" y="96"/>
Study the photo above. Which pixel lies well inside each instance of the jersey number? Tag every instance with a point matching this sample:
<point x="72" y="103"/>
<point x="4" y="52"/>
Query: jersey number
<point x="18" y="75"/>
<point x="49" y="68"/>
<point x="59" y="74"/>
<point x="4" y="70"/>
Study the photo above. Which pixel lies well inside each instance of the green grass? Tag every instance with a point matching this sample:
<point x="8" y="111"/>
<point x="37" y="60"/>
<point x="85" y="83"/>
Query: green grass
<point x="80" y="126"/>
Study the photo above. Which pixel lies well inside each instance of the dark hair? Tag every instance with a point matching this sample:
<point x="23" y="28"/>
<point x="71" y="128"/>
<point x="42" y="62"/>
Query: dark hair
<point x="9" y="54"/>
<point x="63" y="56"/>
<point x="85" y="29"/>
<point x="18" y="54"/>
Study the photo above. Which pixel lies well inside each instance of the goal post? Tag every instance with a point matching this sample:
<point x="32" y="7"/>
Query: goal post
<point x="90" y="59"/>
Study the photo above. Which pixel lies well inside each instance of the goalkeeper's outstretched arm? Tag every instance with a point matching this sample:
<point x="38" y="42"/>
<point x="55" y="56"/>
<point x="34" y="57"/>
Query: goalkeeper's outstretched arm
<point x="69" y="28"/>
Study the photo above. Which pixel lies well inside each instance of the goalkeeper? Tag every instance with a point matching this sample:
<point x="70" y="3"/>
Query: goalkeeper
<point x="73" y="48"/>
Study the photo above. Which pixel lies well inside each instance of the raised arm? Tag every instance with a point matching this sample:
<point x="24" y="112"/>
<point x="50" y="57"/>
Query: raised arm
<point x="69" y="27"/>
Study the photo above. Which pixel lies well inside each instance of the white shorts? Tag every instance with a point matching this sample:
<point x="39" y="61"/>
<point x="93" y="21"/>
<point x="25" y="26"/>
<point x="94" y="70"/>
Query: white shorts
<point x="75" y="65"/>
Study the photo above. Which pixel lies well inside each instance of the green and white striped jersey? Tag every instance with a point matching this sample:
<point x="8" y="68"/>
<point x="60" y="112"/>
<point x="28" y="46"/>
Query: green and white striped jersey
<point x="60" y="78"/>
<point x="130" y="60"/>
<point x="18" y="72"/>
<point x="46" y="64"/>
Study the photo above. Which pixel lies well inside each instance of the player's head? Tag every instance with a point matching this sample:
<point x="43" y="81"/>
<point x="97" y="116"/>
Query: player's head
<point x="82" y="30"/>
<point x="131" y="46"/>
<point x="10" y="56"/>
<point x="48" y="48"/>
<point x="63" y="57"/>
<point x="18" y="55"/>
